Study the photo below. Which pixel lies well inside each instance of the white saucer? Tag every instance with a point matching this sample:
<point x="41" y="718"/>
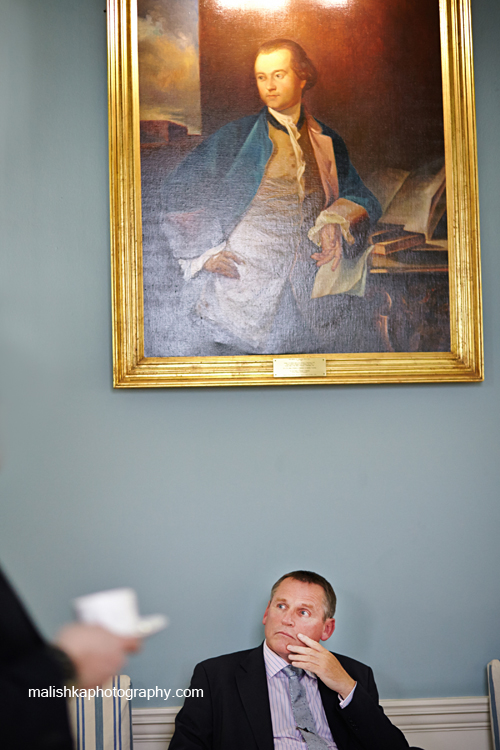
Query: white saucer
<point x="150" y="625"/>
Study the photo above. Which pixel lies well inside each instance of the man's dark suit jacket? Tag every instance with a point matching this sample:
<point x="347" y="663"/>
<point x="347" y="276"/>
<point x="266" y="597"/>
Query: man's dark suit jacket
<point x="234" y="712"/>
<point x="26" y="662"/>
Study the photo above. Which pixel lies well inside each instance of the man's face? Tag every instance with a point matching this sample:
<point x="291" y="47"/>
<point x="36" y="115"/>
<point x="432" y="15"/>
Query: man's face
<point x="296" y="607"/>
<point x="279" y="86"/>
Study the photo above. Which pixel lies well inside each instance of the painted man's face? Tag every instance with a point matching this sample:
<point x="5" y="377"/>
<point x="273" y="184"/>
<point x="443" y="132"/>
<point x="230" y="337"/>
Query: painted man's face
<point x="279" y="86"/>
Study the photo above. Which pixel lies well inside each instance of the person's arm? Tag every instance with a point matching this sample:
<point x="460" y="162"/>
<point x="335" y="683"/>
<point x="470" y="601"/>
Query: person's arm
<point x="343" y="224"/>
<point x="215" y="260"/>
<point x="95" y="653"/>
<point x="352" y="189"/>
<point x="26" y="720"/>
<point x="366" y="718"/>
<point x="363" y="714"/>
<point x="194" y="722"/>
<point x="195" y="203"/>
<point x="28" y="663"/>
<point x="313" y="657"/>
<point x="342" y="228"/>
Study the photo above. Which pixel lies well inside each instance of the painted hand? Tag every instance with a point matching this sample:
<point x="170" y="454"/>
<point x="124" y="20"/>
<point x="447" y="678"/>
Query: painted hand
<point x="331" y="246"/>
<point x="313" y="657"/>
<point x="225" y="263"/>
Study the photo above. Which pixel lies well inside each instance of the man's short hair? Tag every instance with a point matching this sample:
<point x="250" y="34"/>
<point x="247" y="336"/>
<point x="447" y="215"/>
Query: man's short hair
<point x="307" y="576"/>
<point x="301" y="64"/>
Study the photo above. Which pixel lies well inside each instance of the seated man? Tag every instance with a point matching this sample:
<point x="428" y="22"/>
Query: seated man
<point x="289" y="692"/>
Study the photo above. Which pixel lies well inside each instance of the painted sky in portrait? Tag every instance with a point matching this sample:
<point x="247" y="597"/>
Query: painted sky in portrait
<point x="169" y="78"/>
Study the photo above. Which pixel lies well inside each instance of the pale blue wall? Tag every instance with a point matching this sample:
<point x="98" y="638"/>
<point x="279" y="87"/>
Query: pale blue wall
<point x="201" y="498"/>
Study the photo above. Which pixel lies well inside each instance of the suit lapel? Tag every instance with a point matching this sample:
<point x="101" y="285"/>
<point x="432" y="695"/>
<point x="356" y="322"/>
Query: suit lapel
<point x="252" y="686"/>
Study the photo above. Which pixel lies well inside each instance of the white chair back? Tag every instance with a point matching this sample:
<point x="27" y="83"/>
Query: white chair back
<point x="103" y="722"/>
<point x="493" y="670"/>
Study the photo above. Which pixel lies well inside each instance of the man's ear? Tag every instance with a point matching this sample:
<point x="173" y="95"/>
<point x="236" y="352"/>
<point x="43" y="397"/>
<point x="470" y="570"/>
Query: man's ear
<point x="266" y="613"/>
<point x="328" y="628"/>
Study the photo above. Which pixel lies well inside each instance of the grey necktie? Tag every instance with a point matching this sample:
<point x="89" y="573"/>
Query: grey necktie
<point x="301" y="711"/>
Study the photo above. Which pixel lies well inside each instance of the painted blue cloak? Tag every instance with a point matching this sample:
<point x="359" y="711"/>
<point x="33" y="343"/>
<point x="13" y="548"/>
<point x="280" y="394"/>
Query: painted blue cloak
<point x="214" y="185"/>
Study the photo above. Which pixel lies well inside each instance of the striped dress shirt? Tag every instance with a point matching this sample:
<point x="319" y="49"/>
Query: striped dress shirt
<point x="285" y="732"/>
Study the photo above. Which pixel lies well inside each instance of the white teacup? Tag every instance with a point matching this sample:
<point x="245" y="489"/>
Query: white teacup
<point x="117" y="610"/>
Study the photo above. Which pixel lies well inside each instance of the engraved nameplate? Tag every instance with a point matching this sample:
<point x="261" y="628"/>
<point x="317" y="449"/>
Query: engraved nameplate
<point x="299" y="367"/>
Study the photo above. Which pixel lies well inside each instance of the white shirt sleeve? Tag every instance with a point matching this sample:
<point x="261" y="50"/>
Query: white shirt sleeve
<point x="345" y="702"/>
<point x="330" y="217"/>
<point x="191" y="267"/>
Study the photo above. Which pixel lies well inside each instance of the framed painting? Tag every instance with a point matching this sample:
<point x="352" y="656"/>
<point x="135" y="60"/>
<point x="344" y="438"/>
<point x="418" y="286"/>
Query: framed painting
<point x="293" y="192"/>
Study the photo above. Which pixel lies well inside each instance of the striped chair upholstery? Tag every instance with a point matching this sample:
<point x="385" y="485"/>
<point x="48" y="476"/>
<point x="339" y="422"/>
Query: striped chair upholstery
<point x="493" y="669"/>
<point x="103" y="722"/>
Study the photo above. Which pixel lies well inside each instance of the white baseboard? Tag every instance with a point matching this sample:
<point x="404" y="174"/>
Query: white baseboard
<point x="432" y="724"/>
<point x="153" y="728"/>
<point x="443" y="723"/>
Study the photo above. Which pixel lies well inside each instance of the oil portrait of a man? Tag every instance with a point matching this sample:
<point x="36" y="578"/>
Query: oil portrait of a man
<point x="259" y="232"/>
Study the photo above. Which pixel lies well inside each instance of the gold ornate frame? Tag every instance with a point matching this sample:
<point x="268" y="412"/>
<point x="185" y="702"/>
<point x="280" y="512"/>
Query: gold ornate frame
<point x="465" y="360"/>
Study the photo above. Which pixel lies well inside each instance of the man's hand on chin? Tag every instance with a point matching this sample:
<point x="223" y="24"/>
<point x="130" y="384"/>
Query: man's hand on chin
<point x="313" y="657"/>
